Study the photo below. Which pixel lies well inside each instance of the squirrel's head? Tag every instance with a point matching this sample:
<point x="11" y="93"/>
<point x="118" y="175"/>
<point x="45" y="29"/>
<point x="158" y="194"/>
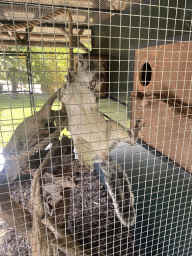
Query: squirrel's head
<point x="90" y="72"/>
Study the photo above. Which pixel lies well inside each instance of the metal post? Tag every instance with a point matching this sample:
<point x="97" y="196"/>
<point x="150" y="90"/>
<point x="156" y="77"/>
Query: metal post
<point x="30" y="80"/>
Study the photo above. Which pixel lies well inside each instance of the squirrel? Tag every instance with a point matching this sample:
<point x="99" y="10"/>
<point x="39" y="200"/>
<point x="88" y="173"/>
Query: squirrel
<point x="93" y="136"/>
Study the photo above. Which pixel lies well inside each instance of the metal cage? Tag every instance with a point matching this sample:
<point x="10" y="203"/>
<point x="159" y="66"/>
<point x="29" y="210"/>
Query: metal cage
<point x="95" y="171"/>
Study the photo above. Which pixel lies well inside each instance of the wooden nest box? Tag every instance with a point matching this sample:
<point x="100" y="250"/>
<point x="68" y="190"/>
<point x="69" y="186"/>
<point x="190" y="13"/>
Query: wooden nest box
<point x="162" y="98"/>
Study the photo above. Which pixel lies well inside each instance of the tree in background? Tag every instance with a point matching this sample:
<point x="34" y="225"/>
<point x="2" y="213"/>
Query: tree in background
<point x="48" y="67"/>
<point x="13" y="68"/>
<point x="16" y="76"/>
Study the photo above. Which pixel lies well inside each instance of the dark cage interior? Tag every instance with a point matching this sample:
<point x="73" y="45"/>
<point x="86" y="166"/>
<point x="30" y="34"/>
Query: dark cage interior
<point x="95" y="127"/>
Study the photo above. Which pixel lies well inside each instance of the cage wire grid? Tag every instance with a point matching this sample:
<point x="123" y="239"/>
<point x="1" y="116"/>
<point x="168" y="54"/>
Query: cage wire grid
<point x="76" y="76"/>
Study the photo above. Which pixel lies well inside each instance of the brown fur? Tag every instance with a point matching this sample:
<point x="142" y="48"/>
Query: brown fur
<point x="93" y="136"/>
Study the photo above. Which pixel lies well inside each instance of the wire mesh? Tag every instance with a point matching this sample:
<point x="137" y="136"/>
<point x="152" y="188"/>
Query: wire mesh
<point x="80" y="173"/>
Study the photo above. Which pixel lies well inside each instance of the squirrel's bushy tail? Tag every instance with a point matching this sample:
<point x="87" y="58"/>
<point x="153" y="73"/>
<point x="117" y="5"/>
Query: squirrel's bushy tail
<point x="120" y="190"/>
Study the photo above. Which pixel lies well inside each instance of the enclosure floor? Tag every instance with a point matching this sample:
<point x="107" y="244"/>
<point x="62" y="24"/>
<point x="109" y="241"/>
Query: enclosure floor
<point x="114" y="110"/>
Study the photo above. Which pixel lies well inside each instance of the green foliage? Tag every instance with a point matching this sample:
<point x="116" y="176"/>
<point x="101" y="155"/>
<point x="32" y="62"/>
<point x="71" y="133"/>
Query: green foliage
<point x="15" y="63"/>
<point x="49" y="69"/>
<point x="48" y="65"/>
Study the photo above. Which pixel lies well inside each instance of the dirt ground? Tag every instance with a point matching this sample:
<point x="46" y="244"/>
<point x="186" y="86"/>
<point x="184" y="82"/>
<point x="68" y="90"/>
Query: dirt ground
<point x="92" y="220"/>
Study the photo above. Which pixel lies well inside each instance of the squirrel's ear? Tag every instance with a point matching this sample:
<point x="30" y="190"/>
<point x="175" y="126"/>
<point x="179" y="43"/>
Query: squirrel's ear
<point x="81" y="56"/>
<point x="69" y="77"/>
<point x="81" y="60"/>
